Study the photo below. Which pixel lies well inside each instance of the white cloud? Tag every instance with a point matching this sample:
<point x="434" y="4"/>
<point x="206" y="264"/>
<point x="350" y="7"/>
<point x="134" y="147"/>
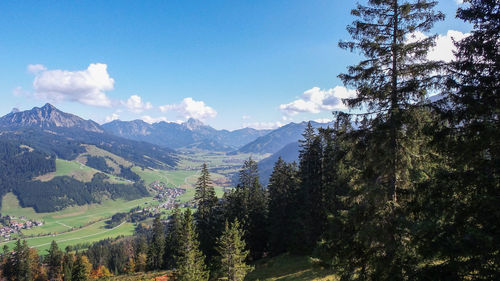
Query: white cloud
<point x="151" y="120"/>
<point x="246" y="117"/>
<point x="113" y="117"/>
<point x="444" y="48"/>
<point x="322" y="120"/>
<point x="84" y="86"/>
<point x="136" y="105"/>
<point x="190" y="108"/>
<point x="263" y="125"/>
<point x="316" y="100"/>
<point x="35" y="68"/>
<point x="459" y="2"/>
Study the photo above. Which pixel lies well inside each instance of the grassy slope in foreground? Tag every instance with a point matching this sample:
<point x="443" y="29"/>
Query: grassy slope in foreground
<point x="283" y="268"/>
<point x="289" y="268"/>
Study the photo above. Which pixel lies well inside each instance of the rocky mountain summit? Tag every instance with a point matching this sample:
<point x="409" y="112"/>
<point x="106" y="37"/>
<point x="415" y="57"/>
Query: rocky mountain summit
<point x="47" y="117"/>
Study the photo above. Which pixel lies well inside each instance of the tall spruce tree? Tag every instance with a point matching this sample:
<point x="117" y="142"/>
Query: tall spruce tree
<point x="338" y="170"/>
<point x="21" y="261"/>
<point x="207" y="215"/>
<point x="253" y="211"/>
<point x="391" y="82"/>
<point x="460" y="205"/>
<point x="283" y="203"/>
<point x="54" y="261"/>
<point x="190" y="262"/>
<point x="312" y="213"/>
<point x="173" y="239"/>
<point x="157" y="246"/>
<point x="231" y="248"/>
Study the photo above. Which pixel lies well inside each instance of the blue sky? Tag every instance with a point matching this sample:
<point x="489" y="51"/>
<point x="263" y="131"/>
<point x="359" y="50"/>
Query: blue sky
<point x="230" y="63"/>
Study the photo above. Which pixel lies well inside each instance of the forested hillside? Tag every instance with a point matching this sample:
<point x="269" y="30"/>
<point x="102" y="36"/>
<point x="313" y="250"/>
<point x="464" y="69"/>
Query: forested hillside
<point x="20" y="164"/>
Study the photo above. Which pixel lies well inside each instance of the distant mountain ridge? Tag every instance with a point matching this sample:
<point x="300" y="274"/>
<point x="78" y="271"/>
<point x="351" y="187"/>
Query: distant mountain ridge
<point x="279" y="138"/>
<point x="192" y="134"/>
<point x="47" y="117"/>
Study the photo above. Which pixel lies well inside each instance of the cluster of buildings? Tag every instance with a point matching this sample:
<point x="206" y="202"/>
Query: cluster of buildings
<point x="157" y="185"/>
<point x="167" y="197"/>
<point x="13" y="225"/>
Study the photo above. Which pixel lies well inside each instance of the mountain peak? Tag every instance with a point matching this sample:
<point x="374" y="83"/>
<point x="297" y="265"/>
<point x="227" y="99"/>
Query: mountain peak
<point x="193" y="124"/>
<point x="48" y="106"/>
<point x="47" y="116"/>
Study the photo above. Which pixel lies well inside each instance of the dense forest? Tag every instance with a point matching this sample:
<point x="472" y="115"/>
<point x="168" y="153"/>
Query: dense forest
<point x="62" y="192"/>
<point x="411" y="192"/>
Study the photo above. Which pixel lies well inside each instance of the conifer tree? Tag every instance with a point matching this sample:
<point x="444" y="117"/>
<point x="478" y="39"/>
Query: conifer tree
<point x="459" y="208"/>
<point x="54" y="261"/>
<point x="173" y="239"/>
<point x="21" y="261"/>
<point x="231" y="248"/>
<point x="81" y="269"/>
<point x="312" y="213"/>
<point x="68" y="264"/>
<point x="206" y="217"/>
<point x="338" y="170"/>
<point x="283" y="203"/>
<point x="391" y="81"/>
<point x="156" y="246"/>
<point x="190" y="262"/>
<point x="248" y="204"/>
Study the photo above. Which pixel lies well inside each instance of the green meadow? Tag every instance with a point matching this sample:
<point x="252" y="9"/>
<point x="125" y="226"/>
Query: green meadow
<point x="69" y="218"/>
<point x="91" y="233"/>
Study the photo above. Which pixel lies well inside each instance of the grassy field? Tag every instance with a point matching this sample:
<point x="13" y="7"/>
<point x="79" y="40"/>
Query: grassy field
<point x="87" y="234"/>
<point x="215" y="159"/>
<point x="95" y="151"/>
<point x="72" y="217"/>
<point x="172" y="178"/>
<point x="77" y="171"/>
<point x="289" y="268"/>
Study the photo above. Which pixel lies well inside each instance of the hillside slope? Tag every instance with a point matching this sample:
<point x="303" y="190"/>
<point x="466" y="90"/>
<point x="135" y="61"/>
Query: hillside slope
<point x="289" y="153"/>
<point x="288" y="267"/>
<point x="277" y="139"/>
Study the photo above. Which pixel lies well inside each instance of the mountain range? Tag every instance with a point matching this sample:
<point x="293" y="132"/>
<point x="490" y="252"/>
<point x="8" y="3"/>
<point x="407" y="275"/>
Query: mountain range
<point x="147" y="145"/>
<point x="192" y="134"/>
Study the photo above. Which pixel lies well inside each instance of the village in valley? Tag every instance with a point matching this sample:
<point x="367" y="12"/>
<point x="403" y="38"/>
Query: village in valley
<point x="11" y="225"/>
